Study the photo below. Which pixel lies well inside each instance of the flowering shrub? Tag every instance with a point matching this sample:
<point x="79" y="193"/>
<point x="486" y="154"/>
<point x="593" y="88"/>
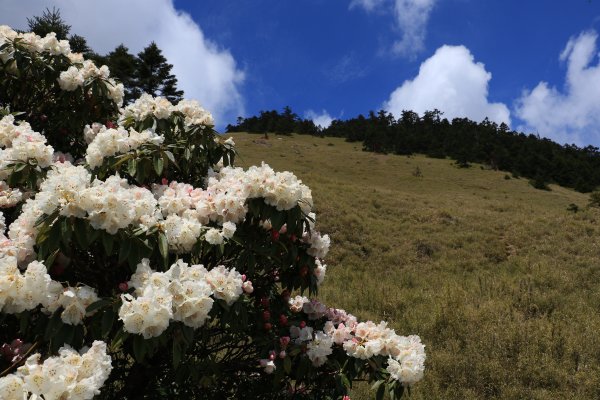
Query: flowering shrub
<point x="129" y="230"/>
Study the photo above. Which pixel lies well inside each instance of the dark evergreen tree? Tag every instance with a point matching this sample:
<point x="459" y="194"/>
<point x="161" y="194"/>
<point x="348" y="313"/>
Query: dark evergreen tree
<point x="124" y="67"/>
<point x="154" y="75"/>
<point x="49" y="21"/>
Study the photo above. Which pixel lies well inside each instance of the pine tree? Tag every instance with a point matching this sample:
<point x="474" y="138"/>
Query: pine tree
<point x="124" y="66"/>
<point x="154" y="75"/>
<point x="50" y="21"/>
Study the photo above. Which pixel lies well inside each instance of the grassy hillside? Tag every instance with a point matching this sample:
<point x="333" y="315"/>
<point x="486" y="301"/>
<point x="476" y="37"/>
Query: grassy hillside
<point x="501" y="282"/>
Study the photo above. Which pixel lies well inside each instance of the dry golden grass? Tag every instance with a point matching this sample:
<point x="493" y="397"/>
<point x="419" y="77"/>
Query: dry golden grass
<point x="501" y="282"/>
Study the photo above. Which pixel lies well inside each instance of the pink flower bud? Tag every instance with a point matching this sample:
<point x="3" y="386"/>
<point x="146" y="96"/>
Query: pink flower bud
<point x="272" y="355"/>
<point x="123" y="286"/>
<point x="243" y="277"/>
<point x="164" y="181"/>
<point x="247" y="287"/>
<point x="282" y="354"/>
<point x="274" y="235"/>
<point x="346" y="397"/>
<point x="302" y="324"/>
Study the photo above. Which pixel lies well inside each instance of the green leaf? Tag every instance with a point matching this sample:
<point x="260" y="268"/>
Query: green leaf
<point x="24" y="321"/>
<point x="107" y="242"/>
<point x="118" y="340"/>
<point x="123" y="251"/>
<point x="50" y="259"/>
<point x="380" y="391"/>
<point x="53" y="326"/>
<point x="132" y="167"/>
<point x="277" y="220"/>
<point x="163" y="246"/>
<point x="65" y="335"/>
<point x="287" y="365"/>
<point x="158" y="165"/>
<point x="92" y="235"/>
<point x="19" y="167"/>
<point x="80" y="235"/>
<point x="139" y="348"/>
<point x="177" y="353"/>
<point x="97" y="305"/>
<point x="65" y="230"/>
<point x="108" y="319"/>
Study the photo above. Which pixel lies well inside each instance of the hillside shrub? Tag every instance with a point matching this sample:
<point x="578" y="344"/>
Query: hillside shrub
<point x="137" y="262"/>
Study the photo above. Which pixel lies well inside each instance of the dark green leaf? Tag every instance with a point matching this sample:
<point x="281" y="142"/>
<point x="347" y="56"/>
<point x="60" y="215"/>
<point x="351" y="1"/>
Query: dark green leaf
<point x="123" y="251"/>
<point x="177" y="353"/>
<point x="97" y="305"/>
<point x="287" y="365"/>
<point x="107" y="242"/>
<point x="139" y="347"/>
<point x="108" y="319"/>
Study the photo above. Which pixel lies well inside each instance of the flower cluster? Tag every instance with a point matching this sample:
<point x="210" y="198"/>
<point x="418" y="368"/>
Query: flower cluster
<point x="25" y="291"/>
<point x="33" y="43"/>
<point x="109" y="142"/>
<point x="183" y="293"/>
<point x="70" y="375"/>
<point x="75" y="76"/>
<point x="161" y="108"/>
<point x="361" y="340"/>
<point x="108" y="205"/>
<point x="22" y="291"/>
<point x="282" y="190"/>
<point x="19" y="142"/>
<point x="9" y="197"/>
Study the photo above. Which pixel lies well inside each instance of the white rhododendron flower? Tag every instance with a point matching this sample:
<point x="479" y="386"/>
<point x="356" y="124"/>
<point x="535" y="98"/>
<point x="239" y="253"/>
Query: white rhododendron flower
<point x="297" y="303"/>
<point x="319" y="272"/>
<point x="70" y="375"/>
<point x="72" y="300"/>
<point x="22" y="291"/>
<point x="268" y="365"/>
<point x="9" y="197"/>
<point x="183" y="293"/>
<point x="109" y="142"/>
<point x="226" y="283"/>
<point x="214" y="236"/>
<point x="71" y="79"/>
<point x="319" y="348"/>
<point x="408" y="365"/>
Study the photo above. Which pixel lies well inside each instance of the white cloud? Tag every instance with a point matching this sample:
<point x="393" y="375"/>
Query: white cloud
<point x="368" y="5"/>
<point x="204" y="71"/>
<point x="411" y="17"/>
<point x="323" y="120"/>
<point x="570" y="115"/>
<point x="452" y="82"/>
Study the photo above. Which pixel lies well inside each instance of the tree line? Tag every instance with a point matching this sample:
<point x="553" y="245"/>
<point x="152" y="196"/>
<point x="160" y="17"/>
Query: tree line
<point x="147" y="72"/>
<point x="273" y="121"/>
<point x="465" y="141"/>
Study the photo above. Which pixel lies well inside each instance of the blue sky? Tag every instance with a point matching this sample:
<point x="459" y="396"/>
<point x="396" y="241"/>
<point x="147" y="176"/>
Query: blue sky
<point x="532" y="64"/>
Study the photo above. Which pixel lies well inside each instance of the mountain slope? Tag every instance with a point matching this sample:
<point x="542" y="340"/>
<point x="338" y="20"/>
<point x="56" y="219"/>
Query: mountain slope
<point x="501" y="282"/>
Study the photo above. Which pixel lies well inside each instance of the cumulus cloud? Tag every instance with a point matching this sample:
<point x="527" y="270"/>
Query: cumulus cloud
<point x="570" y="115"/>
<point x="452" y="82"/>
<point x="205" y="71"/>
<point x="323" y="119"/>
<point x="411" y="17"/>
